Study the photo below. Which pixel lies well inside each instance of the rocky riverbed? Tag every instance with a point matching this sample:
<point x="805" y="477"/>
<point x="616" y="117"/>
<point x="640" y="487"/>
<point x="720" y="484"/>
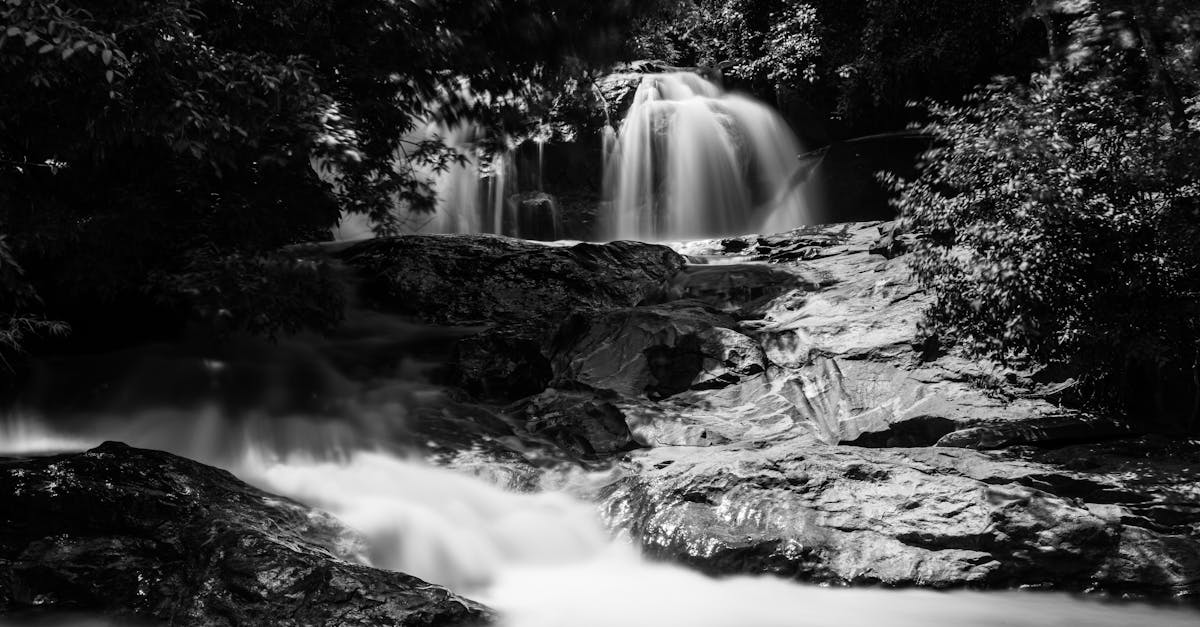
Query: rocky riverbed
<point x="756" y="405"/>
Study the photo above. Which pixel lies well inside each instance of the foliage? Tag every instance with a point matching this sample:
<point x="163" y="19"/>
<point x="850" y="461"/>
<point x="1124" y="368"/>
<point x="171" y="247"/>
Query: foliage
<point x="1061" y="218"/>
<point x="857" y="61"/>
<point x="18" y="300"/>
<point x="140" y="140"/>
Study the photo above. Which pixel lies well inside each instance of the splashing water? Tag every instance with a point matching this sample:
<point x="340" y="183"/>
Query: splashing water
<point x="691" y="161"/>
<point x="544" y="559"/>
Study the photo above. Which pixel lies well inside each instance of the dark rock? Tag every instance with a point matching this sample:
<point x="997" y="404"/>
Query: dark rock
<point x="1043" y="430"/>
<point x="915" y="431"/>
<point x="658" y="350"/>
<point x="504" y="364"/>
<point x="734" y="245"/>
<point x="143" y="533"/>
<point x="730" y="287"/>
<point x="537" y="217"/>
<point x="892" y="242"/>
<point x="581" y="422"/>
<point x="469" y="279"/>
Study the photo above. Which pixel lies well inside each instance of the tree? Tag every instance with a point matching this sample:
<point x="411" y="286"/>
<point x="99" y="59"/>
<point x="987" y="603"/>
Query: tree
<point x="156" y="157"/>
<point x="858" y="62"/>
<point x="1060" y="217"/>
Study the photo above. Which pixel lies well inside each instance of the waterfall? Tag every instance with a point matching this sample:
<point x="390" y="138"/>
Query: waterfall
<point x="693" y="161"/>
<point x="471" y="196"/>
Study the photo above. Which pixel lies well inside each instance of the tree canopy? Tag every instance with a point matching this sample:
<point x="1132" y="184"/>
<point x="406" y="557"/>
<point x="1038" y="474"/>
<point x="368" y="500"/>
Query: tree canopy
<point x="162" y="152"/>
<point x="1060" y="217"/>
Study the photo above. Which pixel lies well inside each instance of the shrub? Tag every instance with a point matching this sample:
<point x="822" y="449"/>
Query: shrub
<point x="18" y="302"/>
<point x="1061" y="223"/>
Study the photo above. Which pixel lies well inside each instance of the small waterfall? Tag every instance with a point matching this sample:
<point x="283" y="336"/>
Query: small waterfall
<point x="692" y="161"/>
<point x="471" y="196"/>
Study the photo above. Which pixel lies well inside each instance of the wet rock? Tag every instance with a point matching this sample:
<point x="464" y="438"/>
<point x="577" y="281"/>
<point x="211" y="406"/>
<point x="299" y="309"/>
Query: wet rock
<point x="1044" y="430"/>
<point x="657" y="351"/>
<point x="916" y="431"/>
<point x="504" y="364"/>
<point x="537" y="217"/>
<point x="892" y="242"/>
<point x="730" y="287"/>
<point x="585" y="423"/>
<point x="758" y="409"/>
<point x="470" y="279"/>
<point x="746" y="478"/>
<point x="925" y="516"/>
<point x="142" y="533"/>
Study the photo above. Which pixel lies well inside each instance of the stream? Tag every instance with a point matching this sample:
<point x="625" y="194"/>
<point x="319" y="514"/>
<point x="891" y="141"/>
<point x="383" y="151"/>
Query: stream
<point x="541" y="557"/>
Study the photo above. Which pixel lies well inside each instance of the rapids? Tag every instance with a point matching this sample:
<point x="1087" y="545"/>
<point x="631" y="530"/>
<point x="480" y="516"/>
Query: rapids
<point x="541" y="557"/>
<point x="544" y="560"/>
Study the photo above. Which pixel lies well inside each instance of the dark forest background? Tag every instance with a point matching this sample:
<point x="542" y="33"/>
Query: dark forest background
<point x="160" y="161"/>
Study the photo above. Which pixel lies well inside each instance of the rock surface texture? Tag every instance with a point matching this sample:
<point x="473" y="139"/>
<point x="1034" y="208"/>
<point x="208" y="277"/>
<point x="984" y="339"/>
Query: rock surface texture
<point x="471" y="279"/>
<point x="939" y="517"/>
<point x="141" y="533"/>
<point x="791" y="420"/>
<point x="845" y="459"/>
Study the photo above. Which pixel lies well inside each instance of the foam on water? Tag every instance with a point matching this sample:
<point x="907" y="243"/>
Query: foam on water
<point x="544" y="560"/>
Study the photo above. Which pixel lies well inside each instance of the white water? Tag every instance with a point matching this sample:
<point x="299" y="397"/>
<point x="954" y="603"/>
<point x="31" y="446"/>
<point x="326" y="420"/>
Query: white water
<point x="470" y="197"/>
<point x="545" y="560"/>
<point x="691" y="161"/>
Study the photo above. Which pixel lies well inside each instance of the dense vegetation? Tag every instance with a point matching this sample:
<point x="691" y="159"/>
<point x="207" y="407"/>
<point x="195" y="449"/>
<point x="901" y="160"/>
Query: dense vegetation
<point x="857" y="63"/>
<point x="156" y="157"/>
<point x="1059" y="207"/>
<point x="1062" y="215"/>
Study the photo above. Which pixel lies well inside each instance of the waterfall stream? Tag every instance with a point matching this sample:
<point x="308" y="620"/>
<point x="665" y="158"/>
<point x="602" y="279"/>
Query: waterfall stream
<point x="692" y="161"/>
<point x="544" y="560"/>
<point x="289" y="418"/>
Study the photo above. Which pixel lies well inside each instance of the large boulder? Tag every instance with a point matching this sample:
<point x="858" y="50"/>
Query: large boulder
<point x="522" y="291"/>
<point x="142" y="533"/>
<point x="756" y="476"/>
<point x="475" y="279"/>
<point x="922" y="516"/>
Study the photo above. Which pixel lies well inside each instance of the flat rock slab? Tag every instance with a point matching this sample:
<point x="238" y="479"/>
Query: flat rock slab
<point x="918" y="516"/>
<point x="143" y="533"/>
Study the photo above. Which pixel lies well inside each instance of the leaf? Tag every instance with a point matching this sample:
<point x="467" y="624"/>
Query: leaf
<point x="46" y="48"/>
<point x="30" y="38"/>
<point x="106" y="56"/>
<point x="108" y="76"/>
<point x="13" y="31"/>
<point x="67" y="52"/>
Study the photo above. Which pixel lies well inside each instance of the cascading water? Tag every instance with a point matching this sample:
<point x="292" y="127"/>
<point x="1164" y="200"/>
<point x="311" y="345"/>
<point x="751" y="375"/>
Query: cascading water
<point x="471" y="196"/>
<point x="542" y="559"/>
<point x="692" y="161"/>
<point x="480" y="194"/>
